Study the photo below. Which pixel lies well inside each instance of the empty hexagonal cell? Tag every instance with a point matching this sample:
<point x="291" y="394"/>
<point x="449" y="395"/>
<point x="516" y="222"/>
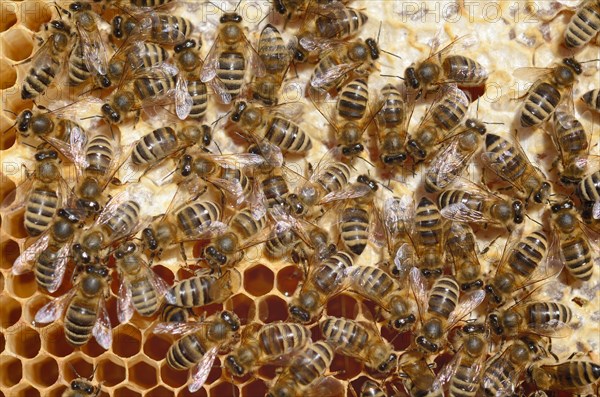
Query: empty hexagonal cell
<point x="160" y="391"/>
<point x="224" y="389"/>
<point x="110" y="371"/>
<point x="32" y="305"/>
<point x="92" y="348"/>
<point x="127" y="340"/>
<point x="11" y="371"/>
<point x="125" y="392"/>
<point x="13" y="225"/>
<point x="342" y="305"/>
<point x="143" y="375"/>
<point x="8" y="15"/>
<point x="172" y="377"/>
<point x="243" y="306"/>
<point x="9" y="136"/>
<point x="255" y="388"/>
<point x="2" y="342"/>
<point x="76" y="366"/>
<point x="288" y="279"/>
<point x="10" y="312"/>
<point x="56" y="391"/>
<point x="8" y="75"/>
<point x="111" y="308"/>
<point x="156" y="346"/>
<point x="186" y="393"/>
<point x="42" y="371"/>
<point x="24" y="341"/>
<point x="258" y="280"/>
<point x="1" y="282"/>
<point x="22" y="285"/>
<point x="9" y="249"/>
<point x="346" y="367"/>
<point x="26" y="391"/>
<point x="17" y="44"/>
<point x="272" y="308"/>
<point x="34" y="14"/>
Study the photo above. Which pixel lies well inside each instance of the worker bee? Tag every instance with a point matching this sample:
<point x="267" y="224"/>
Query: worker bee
<point x="588" y="191"/>
<point x="322" y="282"/>
<point x="462" y="246"/>
<point x="140" y="289"/>
<point x="265" y="344"/>
<point x="392" y="125"/>
<point x="176" y="314"/>
<point x="469" y="202"/>
<point x="276" y="57"/>
<point x="450" y="162"/>
<point x="542" y="318"/>
<point x="187" y="56"/>
<point x="592" y="99"/>
<point x="274" y="125"/>
<point x="228" y="59"/>
<point x="575" y="247"/>
<point x="48" y="60"/>
<point x="334" y="68"/>
<point x="83" y="307"/>
<point x="361" y="341"/>
<point x="132" y="56"/>
<point x="430" y="236"/>
<point x="372" y="389"/>
<point x="203" y="289"/>
<point x="584" y="24"/>
<point x="398" y="219"/>
<point x="443" y="116"/>
<point x="355" y="219"/>
<point x="306" y="372"/>
<point x="82" y="387"/>
<point x="163" y="29"/>
<point x="42" y="194"/>
<point x="551" y="87"/>
<point x="523" y="263"/>
<point x="48" y="256"/>
<point x="417" y="375"/>
<point x="201" y="343"/>
<point x="441" y="68"/>
<point x="508" y="160"/>
<point x="574" y="375"/>
<point x="441" y="310"/>
<point x="571" y="141"/>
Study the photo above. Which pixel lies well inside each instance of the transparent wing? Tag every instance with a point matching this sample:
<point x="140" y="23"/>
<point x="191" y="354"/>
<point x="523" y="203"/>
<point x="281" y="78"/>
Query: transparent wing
<point x="461" y="213"/>
<point x="54" y="309"/>
<point x="418" y="285"/>
<point x="448" y="371"/>
<point x="467" y="304"/>
<point x="352" y="191"/>
<point x="211" y="62"/>
<point x="447" y="164"/>
<point x="183" y="100"/>
<point x="332" y="74"/>
<point x="203" y="368"/>
<point x="60" y="267"/>
<point x="531" y="73"/>
<point x="552" y="328"/>
<point x="405" y="259"/>
<point x="102" y="330"/>
<point x="124" y="302"/>
<point x="26" y="260"/>
<point x="177" y="328"/>
<point x="94" y="52"/>
<point x="17" y="199"/>
<point x="399" y="215"/>
<point x="219" y="88"/>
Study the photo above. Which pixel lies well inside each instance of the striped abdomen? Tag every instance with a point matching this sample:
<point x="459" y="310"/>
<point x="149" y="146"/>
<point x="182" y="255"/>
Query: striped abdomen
<point x="287" y="135"/>
<point x="589" y="188"/>
<point x="80" y="317"/>
<point x="41" y="207"/>
<point x="230" y="70"/>
<point x="155" y="146"/>
<point x="45" y="268"/>
<point x="450" y="110"/>
<point x="443" y="297"/>
<point x="345" y="334"/>
<point x="78" y="71"/>
<point x="372" y="282"/>
<point x="278" y="339"/>
<point x="245" y="225"/>
<point x="280" y="242"/>
<point x="334" y="177"/>
<point x="584" y="25"/>
<point x="592" y="99"/>
<point x="99" y="155"/>
<point x="429" y="223"/>
<point x="144" y="296"/>
<point x="123" y="221"/>
<point x="569" y="375"/>
<point x="196" y="218"/>
<point x="312" y="363"/>
<point x="169" y="29"/>
<point x="354" y="229"/>
<point x="275" y="189"/>
<point x="528" y="254"/>
<point x="465" y="381"/>
<point x="340" y="23"/>
<point x="509" y="161"/>
<point x="576" y="251"/>
<point x="186" y="352"/>
<point x="392" y="112"/>
<point x="158" y="83"/>
<point x="329" y="275"/>
<point x="192" y="292"/>
<point x="38" y="79"/>
<point x="464" y="71"/>
<point x="540" y="314"/>
<point x="539" y="105"/>
<point x="199" y="94"/>
<point x="353" y="100"/>
<point x="272" y="50"/>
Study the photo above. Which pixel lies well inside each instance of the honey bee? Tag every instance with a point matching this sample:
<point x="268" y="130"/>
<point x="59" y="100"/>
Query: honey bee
<point x="430" y="236"/>
<point x="392" y="125"/>
<point x="140" y="289"/>
<point x="417" y="376"/>
<point x="462" y="246"/>
<point x="469" y="202"/>
<point x="176" y="314"/>
<point x="568" y="375"/>
<point x="372" y="389"/>
<point x="542" y="318"/>
<point x="187" y="55"/>
<point x="276" y="57"/>
<point x="83" y="307"/>
<point x="42" y="194"/>
<point x="363" y="342"/>
<point x="82" y="387"/>
<point x="355" y="219"/>
<point x="337" y="62"/>
<point x="575" y="247"/>
<point x="571" y="140"/>
<point x="523" y="263"/>
<point x="48" y="60"/>
<point x="584" y="24"/>
<point x="441" y="68"/>
<point x="322" y="282"/>
<point x="201" y="343"/>
<point x="48" y="256"/>
<point x="441" y="310"/>
<point x="265" y="344"/>
<point x="588" y="191"/>
<point x="443" y="116"/>
<point x="132" y="56"/>
<point x="398" y="219"/>
<point x="33" y="123"/>
<point x="157" y="28"/>
<point x="305" y="372"/>
<point x="229" y="58"/>
<point x="450" y="162"/>
<point x="508" y="160"/>
<point x="275" y="126"/>
<point x="545" y="95"/>
<point x="203" y="289"/>
<point x="592" y="99"/>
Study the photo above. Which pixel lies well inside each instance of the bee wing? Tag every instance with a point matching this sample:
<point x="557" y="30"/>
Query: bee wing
<point x="257" y="201"/>
<point x="54" y="309"/>
<point x="531" y="73"/>
<point x="405" y="259"/>
<point x="461" y="213"/>
<point x="159" y="283"/>
<point x="211" y="62"/>
<point x="183" y="100"/>
<point x="332" y="74"/>
<point x="552" y="328"/>
<point x="463" y="42"/>
<point x="447" y="372"/>
<point x="17" y="199"/>
<point x="60" y="268"/>
<point x="596" y="210"/>
<point x="177" y="328"/>
<point x="26" y="260"/>
<point x="203" y="368"/>
<point x="124" y="302"/>
<point x="94" y="52"/>
<point x="232" y="188"/>
<point x="102" y="330"/>
<point x="240" y="160"/>
<point x="352" y="191"/>
<point x="42" y="56"/>
<point x="467" y="304"/>
<point x="448" y="93"/>
<point x="418" y="285"/>
<point x="219" y="88"/>
<point x="448" y="163"/>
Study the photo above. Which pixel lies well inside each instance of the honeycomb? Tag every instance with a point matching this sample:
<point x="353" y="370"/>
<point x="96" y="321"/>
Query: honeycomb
<point x="37" y="361"/>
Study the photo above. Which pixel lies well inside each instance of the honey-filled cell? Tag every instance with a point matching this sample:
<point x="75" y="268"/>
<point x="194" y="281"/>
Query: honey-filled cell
<point x="42" y="371"/>
<point x="8" y="75"/>
<point x="342" y="305"/>
<point x="2" y="342"/>
<point x="224" y="389"/>
<point x="8" y="15"/>
<point x="92" y="348"/>
<point x="111" y="371"/>
<point x="156" y="346"/>
<point x="10" y="312"/>
<point x="258" y="280"/>
<point x="10" y="136"/>
<point x="22" y="285"/>
<point x="9" y="249"/>
<point x="143" y="374"/>
<point x="17" y="44"/>
<point x="13" y="224"/>
<point x="347" y="367"/>
<point x="127" y="341"/>
<point x="255" y="388"/>
<point x="288" y="279"/>
<point x="172" y="377"/>
<point x="11" y="371"/>
<point x="124" y="391"/>
<point x="243" y="306"/>
<point x="23" y="341"/>
<point x="186" y="393"/>
<point x="1" y="282"/>
<point x="32" y="305"/>
<point x="75" y="366"/>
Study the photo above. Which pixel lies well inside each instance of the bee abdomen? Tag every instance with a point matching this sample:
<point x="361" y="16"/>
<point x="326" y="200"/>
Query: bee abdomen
<point x="353" y="99"/>
<point x="78" y="71"/>
<point x="539" y="105"/>
<point x="185" y="353"/>
<point x="546" y="312"/>
<point x="193" y="292"/>
<point x="277" y="339"/>
<point x="38" y="80"/>
<point x="288" y="136"/>
<point x="589" y="188"/>
<point x="79" y="322"/>
<point x="583" y="25"/>
<point x="154" y="146"/>
<point x="345" y="334"/>
<point x="443" y="296"/>
<point x="126" y="216"/>
<point x="41" y="208"/>
<point x="231" y="69"/>
<point x="328" y="276"/>
<point x="99" y="155"/>
<point x="578" y="259"/>
<point x="335" y="177"/>
<point x="199" y="94"/>
<point x="167" y="29"/>
<point x="144" y="297"/>
<point x="528" y="254"/>
<point x="197" y="217"/>
<point x="317" y="359"/>
<point x="45" y="269"/>
<point x="355" y="229"/>
<point x="592" y="98"/>
<point x="463" y="70"/>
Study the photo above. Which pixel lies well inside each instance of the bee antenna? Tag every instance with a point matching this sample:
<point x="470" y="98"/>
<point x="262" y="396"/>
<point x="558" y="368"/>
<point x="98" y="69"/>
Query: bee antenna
<point x="391" y="75"/>
<point x="214" y="123"/>
<point x="493" y="123"/>
<point x="74" y="370"/>
<point x="533" y="220"/>
<point x="379" y="32"/>
<point x="91" y="117"/>
<point x="367" y="161"/>
<point x="11" y="112"/>
<point x="591" y="60"/>
<point x="392" y="54"/>
<point x="237" y="5"/>
<point x="30" y="145"/>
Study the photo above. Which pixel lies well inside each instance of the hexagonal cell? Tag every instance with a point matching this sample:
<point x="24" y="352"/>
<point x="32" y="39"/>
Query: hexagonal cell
<point x="32" y="306"/>
<point x="111" y="308"/>
<point x="143" y="375"/>
<point x="288" y="279"/>
<point x="255" y="388"/>
<point x="346" y="367"/>
<point x="215" y="372"/>
<point x="243" y="306"/>
<point x="208" y="310"/>
<point x="186" y="393"/>
<point x="8" y="75"/>
<point x="24" y="341"/>
<point x="9" y="249"/>
<point x="17" y="44"/>
<point x="57" y="391"/>
<point x="342" y="305"/>
<point x="1" y="282"/>
<point x="110" y="371"/>
<point x="13" y="224"/>
<point x="42" y="371"/>
<point x="125" y="392"/>
<point x="8" y="16"/>
<point x="11" y="311"/>
<point x="34" y="14"/>
<point x="26" y="391"/>
<point x="9" y="137"/>
<point x="271" y="309"/>
<point x="160" y="391"/>
<point x="2" y="342"/>
<point x="258" y="280"/>
<point x="92" y="348"/>
<point x="164" y="273"/>
<point x="77" y="366"/>
<point x="22" y="285"/>
<point x="156" y="346"/>
<point x="11" y="371"/>
<point x="399" y="341"/>
<point x="172" y="377"/>
<point x="127" y="340"/>
<point x="224" y="389"/>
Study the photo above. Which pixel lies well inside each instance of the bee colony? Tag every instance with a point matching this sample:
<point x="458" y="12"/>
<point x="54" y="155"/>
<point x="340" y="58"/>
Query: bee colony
<point x="334" y="197"/>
